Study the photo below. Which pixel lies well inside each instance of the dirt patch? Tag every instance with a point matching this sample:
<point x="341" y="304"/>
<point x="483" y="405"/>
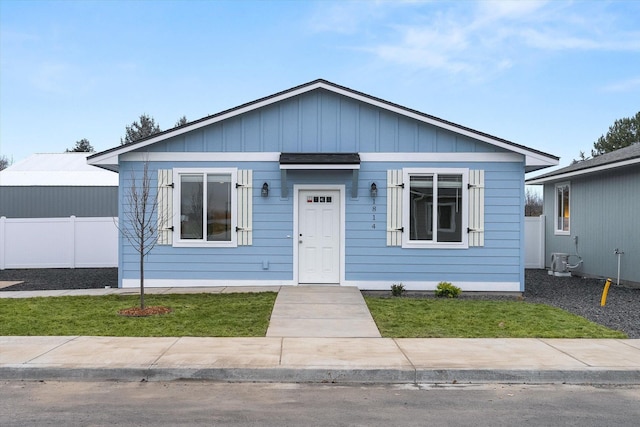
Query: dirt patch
<point x="144" y="312"/>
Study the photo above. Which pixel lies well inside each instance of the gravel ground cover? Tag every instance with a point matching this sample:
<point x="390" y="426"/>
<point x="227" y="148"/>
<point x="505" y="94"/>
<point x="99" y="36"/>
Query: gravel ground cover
<point x="582" y="297"/>
<point x="60" y="278"/>
<point x="576" y="295"/>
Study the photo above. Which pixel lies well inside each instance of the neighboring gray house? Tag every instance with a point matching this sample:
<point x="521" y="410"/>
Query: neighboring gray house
<point x="57" y="186"/>
<point x="592" y="209"/>
<point x="324" y="184"/>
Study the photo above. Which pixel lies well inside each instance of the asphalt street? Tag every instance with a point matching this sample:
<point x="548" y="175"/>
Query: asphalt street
<point x="204" y="403"/>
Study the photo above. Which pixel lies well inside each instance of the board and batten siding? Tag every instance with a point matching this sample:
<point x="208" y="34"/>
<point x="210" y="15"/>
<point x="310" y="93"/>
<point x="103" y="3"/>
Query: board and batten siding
<point x="369" y="262"/>
<point x="319" y="122"/>
<point x="604" y="215"/>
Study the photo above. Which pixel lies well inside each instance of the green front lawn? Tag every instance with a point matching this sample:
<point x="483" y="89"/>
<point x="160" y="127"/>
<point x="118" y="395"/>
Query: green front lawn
<point x="247" y="315"/>
<point x="198" y="315"/>
<point x="456" y="318"/>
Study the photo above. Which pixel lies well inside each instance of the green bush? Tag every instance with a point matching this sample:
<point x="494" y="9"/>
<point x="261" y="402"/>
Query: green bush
<point x="397" y="289"/>
<point x="447" y="290"/>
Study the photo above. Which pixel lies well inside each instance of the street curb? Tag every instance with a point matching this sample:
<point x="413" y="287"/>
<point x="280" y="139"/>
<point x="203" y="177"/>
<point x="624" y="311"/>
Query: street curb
<point x="325" y="376"/>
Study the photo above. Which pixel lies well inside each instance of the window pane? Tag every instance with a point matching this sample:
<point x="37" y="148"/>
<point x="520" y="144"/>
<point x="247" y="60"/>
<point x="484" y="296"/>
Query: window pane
<point x="449" y="208"/>
<point x="565" y="208"/>
<point x="421" y="208"/>
<point x="562" y="203"/>
<point x="218" y="208"/>
<point x="191" y="206"/>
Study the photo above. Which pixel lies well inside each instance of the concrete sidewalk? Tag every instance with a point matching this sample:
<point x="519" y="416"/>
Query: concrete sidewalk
<point x="300" y="347"/>
<point x="322" y="360"/>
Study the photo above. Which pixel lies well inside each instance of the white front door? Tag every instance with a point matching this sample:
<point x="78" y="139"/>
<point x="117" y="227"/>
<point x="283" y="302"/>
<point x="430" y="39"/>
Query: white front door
<point x="319" y="236"/>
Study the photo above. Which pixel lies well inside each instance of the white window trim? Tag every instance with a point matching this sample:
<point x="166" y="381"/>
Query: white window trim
<point x="556" y="231"/>
<point x="177" y="241"/>
<point x="406" y="199"/>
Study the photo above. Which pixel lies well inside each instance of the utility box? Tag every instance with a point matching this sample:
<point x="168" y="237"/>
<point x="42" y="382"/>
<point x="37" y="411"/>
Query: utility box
<point x="559" y="263"/>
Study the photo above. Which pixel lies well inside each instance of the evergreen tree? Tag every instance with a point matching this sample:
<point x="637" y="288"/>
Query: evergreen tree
<point x="181" y="121"/>
<point x="143" y="128"/>
<point x="622" y="133"/>
<point x="4" y="162"/>
<point x="82" y="146"/>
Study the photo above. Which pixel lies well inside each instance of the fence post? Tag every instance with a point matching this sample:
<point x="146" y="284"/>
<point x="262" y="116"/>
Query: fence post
<point x="543" y="243"/>
<point x="72" y="222"/>
<point x="3" y="221"/>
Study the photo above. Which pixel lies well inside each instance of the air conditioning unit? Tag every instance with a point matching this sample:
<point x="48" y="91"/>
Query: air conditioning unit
<point x="559" y="265"/>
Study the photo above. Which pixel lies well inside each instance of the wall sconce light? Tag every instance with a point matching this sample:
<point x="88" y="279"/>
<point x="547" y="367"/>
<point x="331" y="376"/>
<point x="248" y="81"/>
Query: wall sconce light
<point x="374" y="190"/>
<point x="265" y="190"/>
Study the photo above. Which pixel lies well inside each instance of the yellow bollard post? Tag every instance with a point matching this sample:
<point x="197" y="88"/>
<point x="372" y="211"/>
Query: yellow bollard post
<point x="603" y="301"/>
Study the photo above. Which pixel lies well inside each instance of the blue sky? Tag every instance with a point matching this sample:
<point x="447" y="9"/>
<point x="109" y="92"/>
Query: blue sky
<point x="549" y="75"/>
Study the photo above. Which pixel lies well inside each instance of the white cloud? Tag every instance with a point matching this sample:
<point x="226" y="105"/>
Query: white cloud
<point x="628" y="85"/>
<point x="480" y="39"/>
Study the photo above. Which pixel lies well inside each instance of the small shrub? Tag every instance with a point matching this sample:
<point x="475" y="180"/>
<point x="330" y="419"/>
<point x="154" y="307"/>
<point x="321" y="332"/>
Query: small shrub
<point x="447" y="290"/>
<point x="397" y="289"/>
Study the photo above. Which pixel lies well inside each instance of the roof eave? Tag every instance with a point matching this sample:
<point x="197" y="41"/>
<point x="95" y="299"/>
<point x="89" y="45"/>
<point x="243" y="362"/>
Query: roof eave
<point x="534" y="159"/>
<point x="586" y="171"/>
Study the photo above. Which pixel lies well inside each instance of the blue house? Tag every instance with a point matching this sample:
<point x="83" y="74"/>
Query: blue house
<point x="321" y="184"/>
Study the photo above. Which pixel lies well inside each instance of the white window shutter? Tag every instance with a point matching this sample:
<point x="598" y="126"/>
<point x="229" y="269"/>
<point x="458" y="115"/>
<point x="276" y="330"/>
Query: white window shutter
<point x="394" y="207"/>
<point x="476" y="208"/>
<point x="165" y="206"/>
<point x="245" y="207"/>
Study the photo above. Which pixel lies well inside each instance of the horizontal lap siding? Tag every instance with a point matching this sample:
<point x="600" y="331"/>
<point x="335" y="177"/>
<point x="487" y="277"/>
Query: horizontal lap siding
<point x="272" y="223"/>
<point x="321" y="121"/>
<point x="499" y="260"/>
<point x="367" y="255"/>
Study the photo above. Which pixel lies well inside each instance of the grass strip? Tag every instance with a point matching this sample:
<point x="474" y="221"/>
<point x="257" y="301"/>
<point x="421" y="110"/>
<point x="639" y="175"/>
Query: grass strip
<point x="447" y="318"/>
<point x="197" y="315"/>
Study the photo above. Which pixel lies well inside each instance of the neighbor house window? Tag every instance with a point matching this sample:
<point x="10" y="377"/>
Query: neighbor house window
<point x="562" y="210"/>
<point x="435" y="211"/>
<point x="206" y="206"/>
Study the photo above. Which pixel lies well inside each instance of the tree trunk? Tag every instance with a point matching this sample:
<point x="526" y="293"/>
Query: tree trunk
<point x="141" y="276"/>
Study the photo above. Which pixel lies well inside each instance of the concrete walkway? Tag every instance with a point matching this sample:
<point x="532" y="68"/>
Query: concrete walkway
<point x="321" y="311"/>
<point x="295" y="355"/>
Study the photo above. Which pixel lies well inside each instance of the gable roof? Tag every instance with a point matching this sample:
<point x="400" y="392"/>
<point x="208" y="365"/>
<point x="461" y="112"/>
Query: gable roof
<point x="622" y="157"/>
<point x="56" y="169"/>
<point x="534" y="159"/>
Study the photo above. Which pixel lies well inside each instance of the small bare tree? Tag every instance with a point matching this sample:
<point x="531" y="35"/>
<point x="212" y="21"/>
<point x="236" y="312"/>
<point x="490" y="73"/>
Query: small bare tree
<point x="141" y="221"/>
<point x="532" y="203"/>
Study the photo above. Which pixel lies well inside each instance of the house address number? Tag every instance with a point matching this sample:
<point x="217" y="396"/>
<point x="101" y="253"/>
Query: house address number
<point x="373" y="213"/>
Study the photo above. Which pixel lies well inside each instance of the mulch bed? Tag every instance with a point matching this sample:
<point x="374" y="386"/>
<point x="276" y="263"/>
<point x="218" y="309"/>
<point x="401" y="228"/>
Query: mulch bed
<point x="144" y="312"/>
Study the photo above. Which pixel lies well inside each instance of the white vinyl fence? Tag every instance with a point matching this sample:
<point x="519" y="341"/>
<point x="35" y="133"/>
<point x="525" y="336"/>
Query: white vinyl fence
<point x="58" y="242"/>
<point x="534" y="241"/>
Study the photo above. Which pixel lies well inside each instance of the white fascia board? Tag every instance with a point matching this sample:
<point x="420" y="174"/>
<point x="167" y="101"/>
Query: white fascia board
<point x="441" y="157"/>
<point x="534" y="159"/>
<point x="200" y="156"/>
<point x="579" y="172"/>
